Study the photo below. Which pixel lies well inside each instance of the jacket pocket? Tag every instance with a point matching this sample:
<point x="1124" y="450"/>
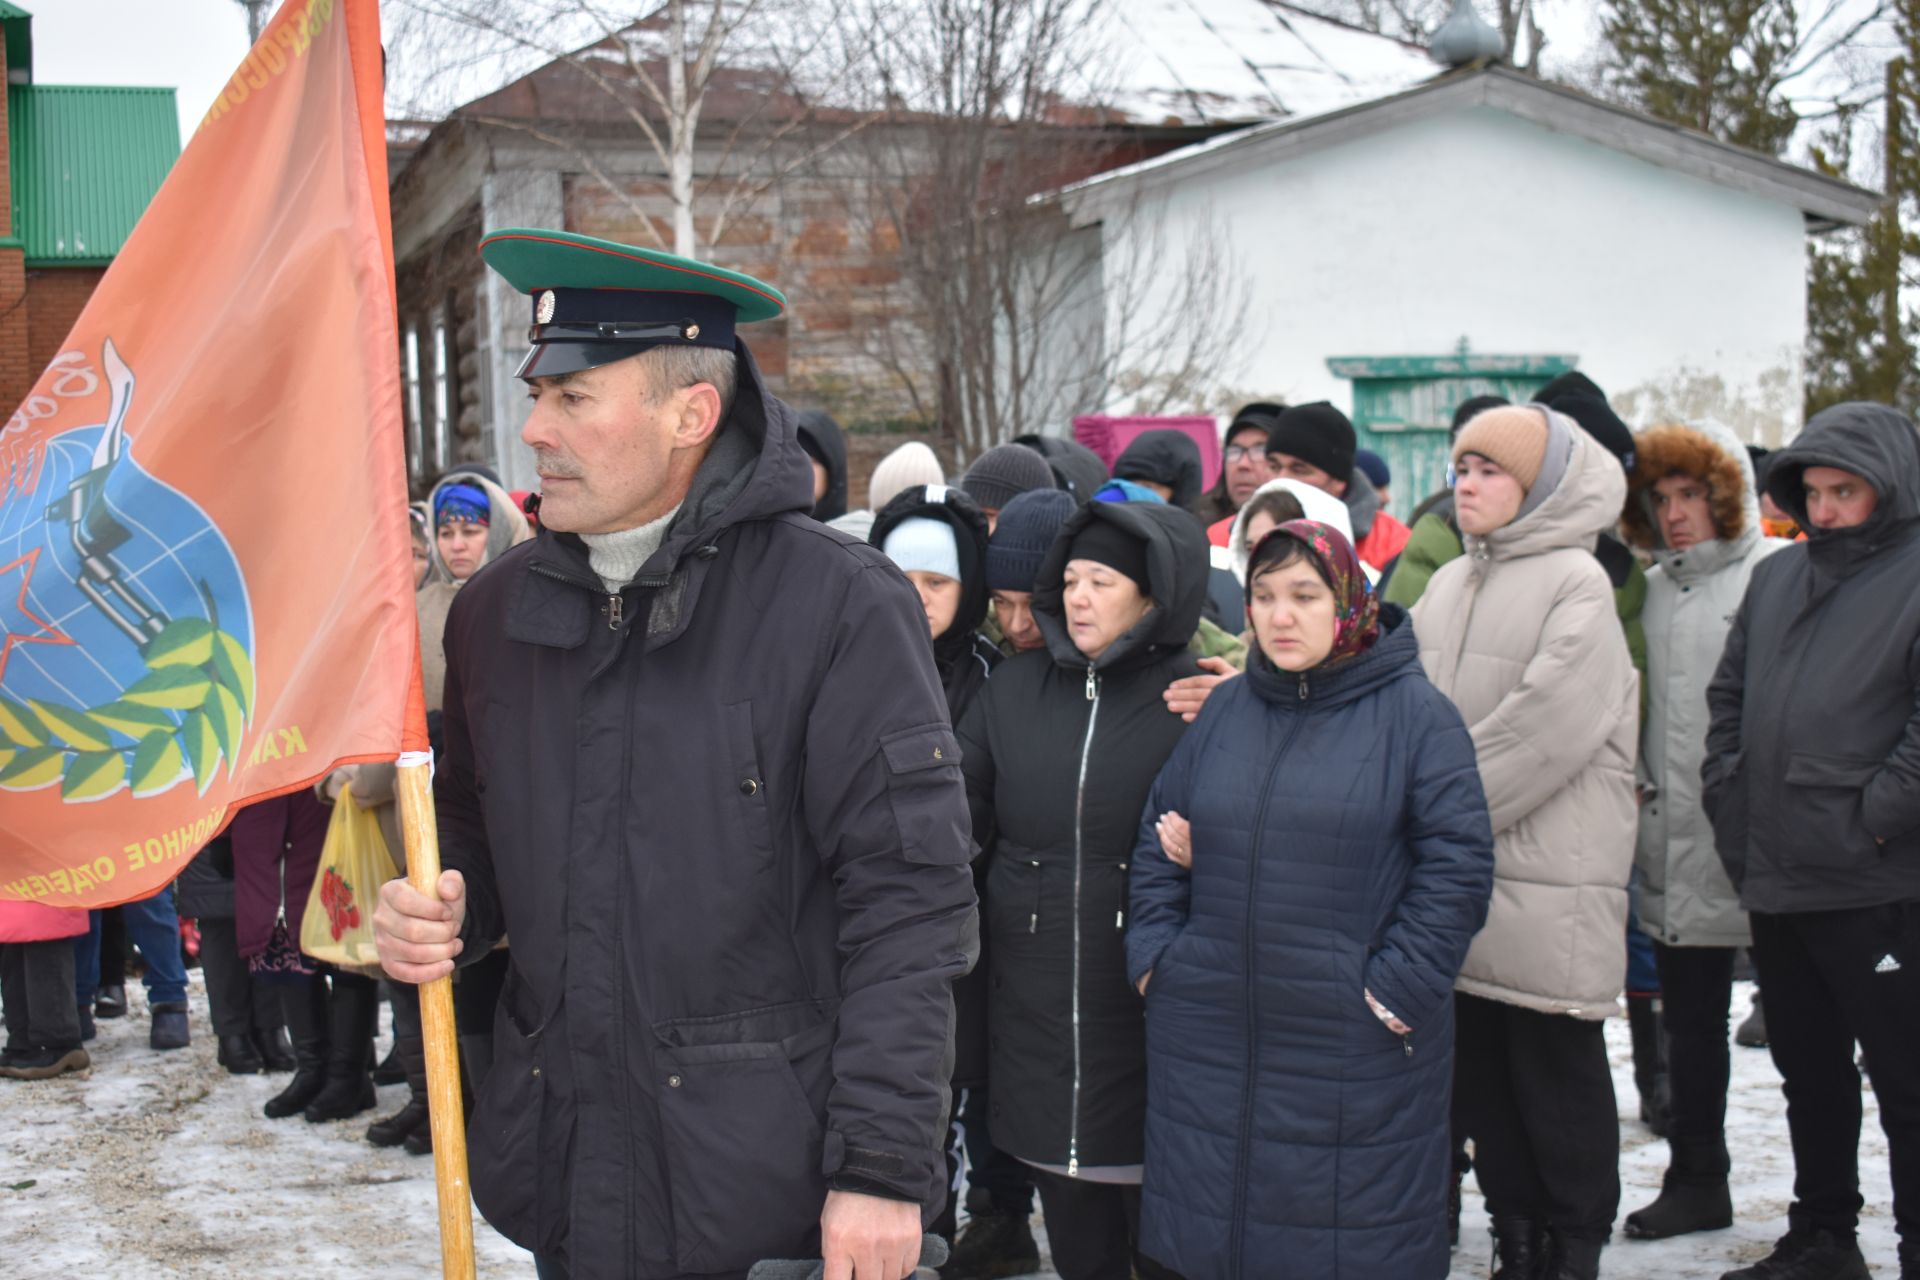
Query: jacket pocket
<point x="928" y="795"/>
<point x="1014" y="887"/>
<point x="749" y="784"/>
<point x="1825" y="794"/>
<point x="520" y="1193"/>
<point x="742" y="1131"/>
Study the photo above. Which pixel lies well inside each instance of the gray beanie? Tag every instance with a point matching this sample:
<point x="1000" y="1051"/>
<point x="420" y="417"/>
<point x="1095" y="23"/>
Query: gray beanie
<point x="1003" y="473"/>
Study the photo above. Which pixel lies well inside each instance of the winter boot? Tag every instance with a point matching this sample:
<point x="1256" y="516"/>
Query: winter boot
<point x="399" y="1126"/>
<point x="87" y="1030"/>
<point x="1753" y="1032"/>
<point x="390" y="1069"/>
<point x="305" y="1006"/>
<point x="110" y="1002"/>
<point x="353" y="1014"/>
<point x="992" y="1245"/>
<point x="1808" y="1253"/>
<point x="1693" y="1195"/>
<point x="1519" y="1249"/>
<point x="169" y="1029"/>
<point x="1650" y="1062"/>
<point x="239" y="1057"/>
<point x="275" y="1050"/>
<point x="1571" y="1259"/>
<point x="46" y="1063"/>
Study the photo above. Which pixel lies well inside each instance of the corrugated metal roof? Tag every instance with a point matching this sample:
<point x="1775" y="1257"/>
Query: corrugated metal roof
<point x="18" y="25"/>
<point x="85" y="162"/>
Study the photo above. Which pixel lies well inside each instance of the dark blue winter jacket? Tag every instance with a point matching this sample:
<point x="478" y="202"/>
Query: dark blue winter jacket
<point x="1340" y="845"/>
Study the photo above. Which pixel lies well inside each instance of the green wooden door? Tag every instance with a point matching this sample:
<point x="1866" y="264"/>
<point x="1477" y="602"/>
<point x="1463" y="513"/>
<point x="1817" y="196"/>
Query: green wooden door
<point x="1403" y="406"/>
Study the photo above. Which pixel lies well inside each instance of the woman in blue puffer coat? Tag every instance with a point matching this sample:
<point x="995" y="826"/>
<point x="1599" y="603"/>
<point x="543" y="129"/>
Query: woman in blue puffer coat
<point x="1312" y="864"/>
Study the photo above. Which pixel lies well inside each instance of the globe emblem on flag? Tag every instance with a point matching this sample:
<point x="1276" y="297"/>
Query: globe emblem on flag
<point x="126" y="638"/>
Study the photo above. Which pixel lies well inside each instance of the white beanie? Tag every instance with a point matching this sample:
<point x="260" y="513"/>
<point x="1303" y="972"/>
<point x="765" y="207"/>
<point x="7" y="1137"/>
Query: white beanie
<point x="911" y="464"/>
<point x="925" y="544"/>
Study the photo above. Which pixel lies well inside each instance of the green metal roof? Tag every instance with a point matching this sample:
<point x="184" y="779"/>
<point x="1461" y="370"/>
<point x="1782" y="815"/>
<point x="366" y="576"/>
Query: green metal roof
<point x="85" y="162"/>
<point x="18" y="26"/>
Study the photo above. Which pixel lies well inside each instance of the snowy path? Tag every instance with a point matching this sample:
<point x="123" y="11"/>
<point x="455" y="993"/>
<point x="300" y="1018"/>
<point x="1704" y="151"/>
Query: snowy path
<point x="161" y="1165"/>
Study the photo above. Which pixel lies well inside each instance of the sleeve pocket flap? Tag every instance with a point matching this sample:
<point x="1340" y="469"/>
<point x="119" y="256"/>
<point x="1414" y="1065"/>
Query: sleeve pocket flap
<point x="929" y="747"/>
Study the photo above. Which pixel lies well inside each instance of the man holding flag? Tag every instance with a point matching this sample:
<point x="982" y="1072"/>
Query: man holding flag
<point x="698" y="768"/>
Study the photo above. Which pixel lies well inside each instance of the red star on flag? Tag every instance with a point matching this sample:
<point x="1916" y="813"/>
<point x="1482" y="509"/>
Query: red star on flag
<point x="12" y="603"/>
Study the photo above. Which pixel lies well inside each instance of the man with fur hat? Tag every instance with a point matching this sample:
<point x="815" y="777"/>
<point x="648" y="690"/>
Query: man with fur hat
<point x="1691" y="504"/>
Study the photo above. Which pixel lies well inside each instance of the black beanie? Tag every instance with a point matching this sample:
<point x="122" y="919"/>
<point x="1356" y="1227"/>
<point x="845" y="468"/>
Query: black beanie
<point x="1027" y="528"/>
<point x="1317" y="433"/>
<point x="1466" y="409"/>
<point x="1572" y="382"/>
<point x="1597" y="418"/>
<point x="1107" y="543"/>
<point x="1258" y="416"/>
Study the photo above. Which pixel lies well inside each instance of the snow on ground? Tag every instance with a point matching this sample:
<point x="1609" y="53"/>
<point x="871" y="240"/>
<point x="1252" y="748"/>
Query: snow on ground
<point x="161" y="1165"/>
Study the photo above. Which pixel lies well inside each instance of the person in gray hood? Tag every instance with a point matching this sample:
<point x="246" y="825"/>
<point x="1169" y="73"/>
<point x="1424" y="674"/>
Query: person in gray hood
<point x="1812" y="781"/>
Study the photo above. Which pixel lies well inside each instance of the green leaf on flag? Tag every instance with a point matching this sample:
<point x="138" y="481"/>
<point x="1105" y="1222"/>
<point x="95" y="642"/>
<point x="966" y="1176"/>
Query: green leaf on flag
<point x="174" y="688"/>
<point x="133" y="721"/>
<point x="94" y="774"/>
<point x="75" y="728"/>
<point x="157" y="764"/>
<point x="229" y="722"/>
<point x="235" y="669"/>
<point x="20" y="726"/>
<point x="186" y="643"/>
<point x="33" y="770"/>
<point x="203" y="749"/>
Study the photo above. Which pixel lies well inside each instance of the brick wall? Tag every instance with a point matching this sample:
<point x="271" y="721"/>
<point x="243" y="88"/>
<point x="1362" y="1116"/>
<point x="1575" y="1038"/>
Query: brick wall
<point x="16" y="379"/>
<point x="55" y="298"/>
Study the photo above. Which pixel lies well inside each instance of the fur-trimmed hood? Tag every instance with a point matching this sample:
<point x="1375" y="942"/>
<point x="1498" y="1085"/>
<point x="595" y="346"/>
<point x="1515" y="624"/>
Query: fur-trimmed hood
<point x="1710" y="453"/>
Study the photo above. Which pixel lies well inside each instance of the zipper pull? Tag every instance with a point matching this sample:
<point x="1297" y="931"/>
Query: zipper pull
<point x="1093" y="685"/>
<point x="1303" y="686"/>
<point x="1406" y="1042"/>
<point x="616" y="611"/>
<point x="1073" y="1166"/>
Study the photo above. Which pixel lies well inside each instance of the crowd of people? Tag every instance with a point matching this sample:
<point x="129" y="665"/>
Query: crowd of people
<point x="1312" y="851"/>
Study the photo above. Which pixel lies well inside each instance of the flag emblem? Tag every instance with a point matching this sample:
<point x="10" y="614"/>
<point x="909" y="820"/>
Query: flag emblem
<point x="126" y="640"/>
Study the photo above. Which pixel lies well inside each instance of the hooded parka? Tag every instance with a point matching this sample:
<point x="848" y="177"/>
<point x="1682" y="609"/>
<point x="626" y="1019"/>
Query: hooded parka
<point x="1059" y="756"/>
<point x="720" y="813"/>
<point x="1340" y="846"/>
<point x="820" y="437"/>
<point x="964" y="659"/>
<point x="1685" y="897"/>
<point x="1165" y="457"/>
<point x="1812" y="770"/>
<point x="1521" y="633"/>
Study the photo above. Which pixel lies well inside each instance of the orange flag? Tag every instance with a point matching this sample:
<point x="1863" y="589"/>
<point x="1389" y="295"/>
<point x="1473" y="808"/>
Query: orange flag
<point x="205" y="561"/>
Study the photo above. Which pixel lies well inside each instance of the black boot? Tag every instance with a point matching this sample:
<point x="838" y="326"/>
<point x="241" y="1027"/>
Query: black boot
<point x="1693" y="1195"/>
<point x="305" y="1008"/>
<point x="399" y="1126"/>
<point x="391" y="1070"/>
<point x="275" y="1050"/>
<point x="353" y="1013"/>
<point x="1753" y="1032"/>
<point x="1573" y="1259"/>
<point x="238" y="1056"/>
<point x="1808" y="1253"/>
<point x="168" y="1027"/>
<point x="1650" y="1062"/>
<point x="110" y="1002"/>
<point x="993" y="1245"/>
<point x="1519" y="1249"/>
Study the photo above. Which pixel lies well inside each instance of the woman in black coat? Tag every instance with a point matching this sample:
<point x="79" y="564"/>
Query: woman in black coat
<point x="1322" y="859"/>
<point x="1059" y="752"/>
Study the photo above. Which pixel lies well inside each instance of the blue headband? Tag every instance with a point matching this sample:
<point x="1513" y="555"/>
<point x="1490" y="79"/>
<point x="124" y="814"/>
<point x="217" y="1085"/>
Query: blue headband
<point x="462" y="502"/>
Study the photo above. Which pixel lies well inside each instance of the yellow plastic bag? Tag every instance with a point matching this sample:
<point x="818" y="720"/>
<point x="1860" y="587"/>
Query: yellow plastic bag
<point x="354" y="863"/>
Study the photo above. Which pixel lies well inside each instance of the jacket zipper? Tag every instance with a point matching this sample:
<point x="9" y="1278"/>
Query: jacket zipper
<point x="1238" y="1229"/>
<point x="1079" y="813"/>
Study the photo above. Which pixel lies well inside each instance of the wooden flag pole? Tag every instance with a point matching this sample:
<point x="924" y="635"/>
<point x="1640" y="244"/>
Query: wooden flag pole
<point x="445" y="1114"/>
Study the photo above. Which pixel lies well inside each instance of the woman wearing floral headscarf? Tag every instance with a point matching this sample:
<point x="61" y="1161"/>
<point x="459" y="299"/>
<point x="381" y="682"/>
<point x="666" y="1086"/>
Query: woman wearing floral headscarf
<point x="1314" y="861"/>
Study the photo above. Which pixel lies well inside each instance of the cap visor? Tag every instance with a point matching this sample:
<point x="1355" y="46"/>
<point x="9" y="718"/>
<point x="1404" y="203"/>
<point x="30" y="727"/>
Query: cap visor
<point x="551" y="359"/>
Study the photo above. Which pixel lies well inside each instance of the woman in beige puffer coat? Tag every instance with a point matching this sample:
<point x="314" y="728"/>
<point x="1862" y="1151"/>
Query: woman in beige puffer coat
<point x="1521" y="633"/>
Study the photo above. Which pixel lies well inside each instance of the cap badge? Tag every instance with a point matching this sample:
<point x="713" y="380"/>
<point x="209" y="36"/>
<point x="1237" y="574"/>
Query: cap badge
<point x="692" y="332"/>
<point x="543" y="312"/>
